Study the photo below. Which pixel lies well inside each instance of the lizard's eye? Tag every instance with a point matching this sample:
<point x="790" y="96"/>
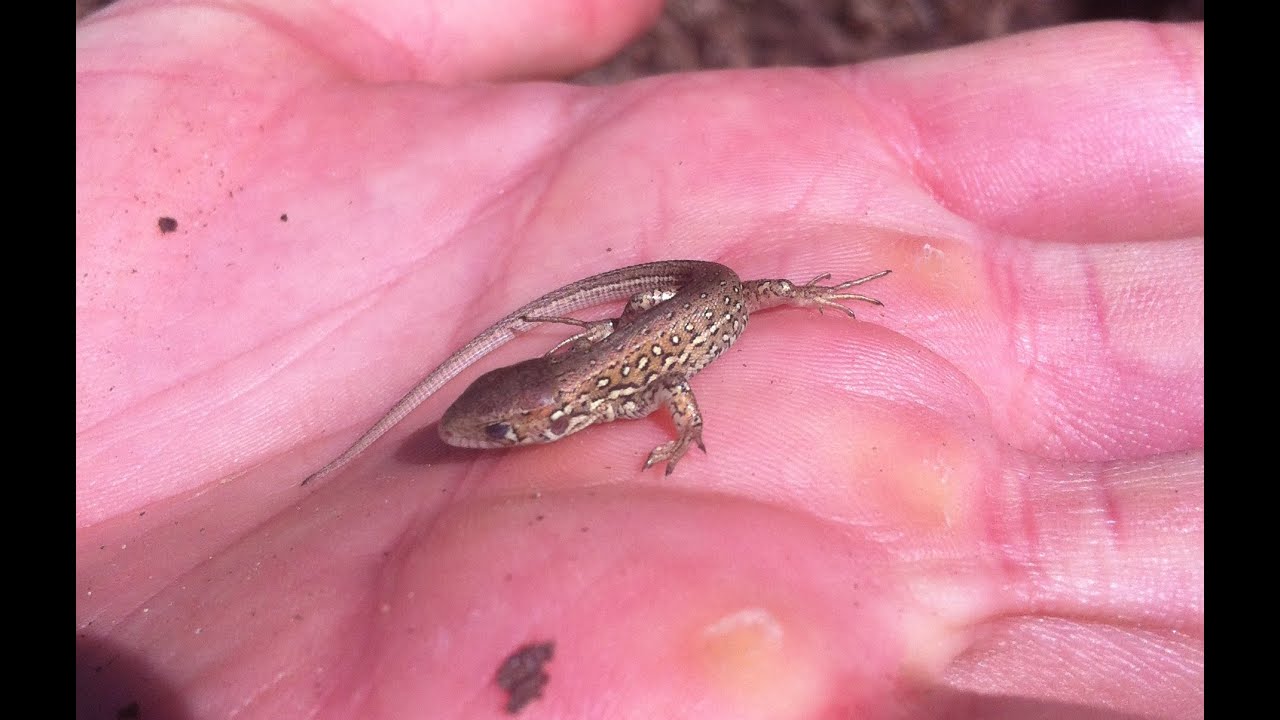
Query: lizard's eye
<point x="498" y="431"/>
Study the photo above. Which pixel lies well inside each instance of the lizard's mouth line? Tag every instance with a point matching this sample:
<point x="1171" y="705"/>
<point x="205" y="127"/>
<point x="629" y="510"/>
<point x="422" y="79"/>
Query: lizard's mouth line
<point x="463" y="439"/>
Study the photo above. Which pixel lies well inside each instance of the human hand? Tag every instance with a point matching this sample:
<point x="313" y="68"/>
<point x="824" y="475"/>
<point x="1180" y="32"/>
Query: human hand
<point x="984" y="500"/>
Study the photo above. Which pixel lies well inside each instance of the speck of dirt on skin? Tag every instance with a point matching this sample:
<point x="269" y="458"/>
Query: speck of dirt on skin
<point x="167" y="224"/>
<point x="284" y="217"/>
<point x="523" y="675"/>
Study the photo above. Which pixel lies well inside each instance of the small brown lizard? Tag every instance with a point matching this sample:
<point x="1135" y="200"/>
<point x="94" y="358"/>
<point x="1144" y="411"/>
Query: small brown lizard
<point x="680" y="316"/>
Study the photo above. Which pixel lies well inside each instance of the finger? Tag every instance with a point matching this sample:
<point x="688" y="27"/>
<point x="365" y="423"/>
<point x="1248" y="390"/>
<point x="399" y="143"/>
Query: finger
<point x="1081" y="134"/>
<point x="397" y="41"/>
<point x="1105" y="592"/>
<point x="1038" y="136"/>
<point x="1080" y="669"/>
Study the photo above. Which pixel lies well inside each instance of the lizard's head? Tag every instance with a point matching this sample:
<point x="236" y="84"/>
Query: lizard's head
<point x="515" y="405"/>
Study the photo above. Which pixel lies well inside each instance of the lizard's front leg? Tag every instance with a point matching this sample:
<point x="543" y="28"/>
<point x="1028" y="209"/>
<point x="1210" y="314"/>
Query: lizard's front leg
<point x="678" y="397"/>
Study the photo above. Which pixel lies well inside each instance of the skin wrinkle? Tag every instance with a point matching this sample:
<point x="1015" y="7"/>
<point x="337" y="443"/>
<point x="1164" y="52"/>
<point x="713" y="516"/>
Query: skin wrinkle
<point x="1097" y="302"/>
<point x="1190" y="75"/>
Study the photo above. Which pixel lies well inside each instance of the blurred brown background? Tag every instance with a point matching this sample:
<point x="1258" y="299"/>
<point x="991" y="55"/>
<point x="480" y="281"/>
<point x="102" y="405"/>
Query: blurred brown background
<point x="743" y="33"/>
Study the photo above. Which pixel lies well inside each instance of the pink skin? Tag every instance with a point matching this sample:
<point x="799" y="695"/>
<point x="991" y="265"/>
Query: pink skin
<point x="983" y="500"/>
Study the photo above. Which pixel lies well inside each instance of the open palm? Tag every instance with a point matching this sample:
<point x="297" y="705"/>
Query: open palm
<point x="982" y="500"/>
